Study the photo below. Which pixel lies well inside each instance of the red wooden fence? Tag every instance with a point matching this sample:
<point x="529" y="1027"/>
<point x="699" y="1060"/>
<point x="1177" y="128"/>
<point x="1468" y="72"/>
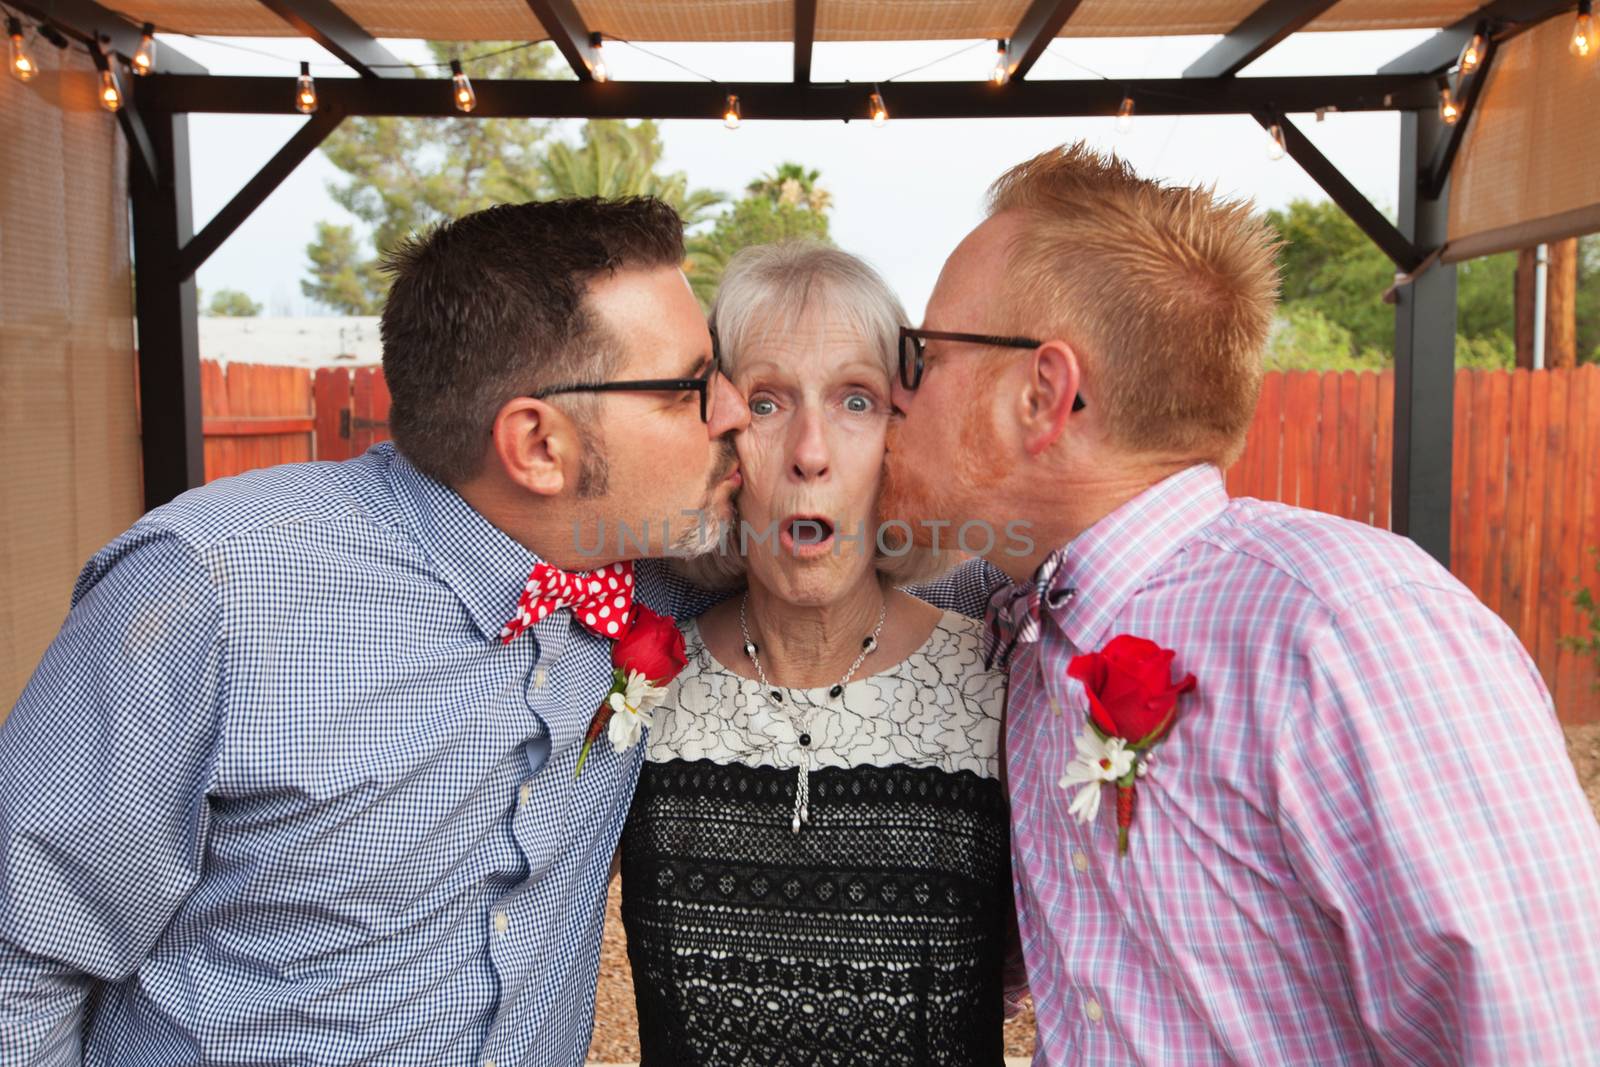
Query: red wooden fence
<point x="1526" y="492"/>
<point x="1526" y="486"/>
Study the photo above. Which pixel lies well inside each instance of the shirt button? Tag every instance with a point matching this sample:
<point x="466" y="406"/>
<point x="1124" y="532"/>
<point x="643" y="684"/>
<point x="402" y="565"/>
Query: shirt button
<point x="1080" y="860"/>
<point x="1093" y="1010"/>
<point x="488" y="1063"/>
<point x="525" y="792"/>
<point x="539" y="678"/>
<point x="501" y="923"/>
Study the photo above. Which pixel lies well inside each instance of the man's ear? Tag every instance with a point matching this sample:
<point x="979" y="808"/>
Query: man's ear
<point x="1045" y="404"/>
<point x="536" y="445"/>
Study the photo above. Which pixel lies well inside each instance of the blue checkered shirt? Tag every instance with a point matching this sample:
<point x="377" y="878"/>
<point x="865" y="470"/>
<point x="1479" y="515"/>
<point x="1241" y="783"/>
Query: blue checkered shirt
<point x="276" y="794"/>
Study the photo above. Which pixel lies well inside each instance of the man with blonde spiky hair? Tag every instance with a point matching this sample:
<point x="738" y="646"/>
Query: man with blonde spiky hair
<point x="1354" y="836"/>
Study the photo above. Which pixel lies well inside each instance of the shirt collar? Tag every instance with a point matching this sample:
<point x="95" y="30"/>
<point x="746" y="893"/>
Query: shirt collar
<point x="480" y="563"/>
<point x="1108" y="563"/>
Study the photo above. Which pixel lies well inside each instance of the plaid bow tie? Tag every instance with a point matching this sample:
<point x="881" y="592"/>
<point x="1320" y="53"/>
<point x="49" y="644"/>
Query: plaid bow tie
<point x="600" y="600"/>
<point x="1013" y="615"/>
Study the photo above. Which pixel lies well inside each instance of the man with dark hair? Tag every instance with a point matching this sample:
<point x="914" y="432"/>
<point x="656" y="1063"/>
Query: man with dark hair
<point x="295" y="782"/>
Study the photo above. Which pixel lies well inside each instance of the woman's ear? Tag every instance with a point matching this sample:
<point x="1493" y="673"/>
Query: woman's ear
<point x="1046" y="402"/>
<point x="535" y="445"/>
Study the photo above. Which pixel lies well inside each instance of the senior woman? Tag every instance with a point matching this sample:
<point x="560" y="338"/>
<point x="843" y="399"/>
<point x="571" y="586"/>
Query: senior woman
<point x="816" y="864"/>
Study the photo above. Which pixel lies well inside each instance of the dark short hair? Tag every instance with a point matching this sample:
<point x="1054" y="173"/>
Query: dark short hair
<point x="491" y="306"/>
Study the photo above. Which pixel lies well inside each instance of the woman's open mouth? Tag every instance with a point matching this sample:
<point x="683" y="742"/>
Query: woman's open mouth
<point x="806" y="536"/>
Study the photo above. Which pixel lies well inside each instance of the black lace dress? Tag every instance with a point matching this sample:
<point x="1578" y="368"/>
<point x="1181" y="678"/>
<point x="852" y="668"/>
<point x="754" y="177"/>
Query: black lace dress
<point x="876" y="934"/>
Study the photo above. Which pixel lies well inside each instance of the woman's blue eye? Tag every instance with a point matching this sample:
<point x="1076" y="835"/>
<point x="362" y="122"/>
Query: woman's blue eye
<point x="762" y="406"/>
<point x="859" y="403"/>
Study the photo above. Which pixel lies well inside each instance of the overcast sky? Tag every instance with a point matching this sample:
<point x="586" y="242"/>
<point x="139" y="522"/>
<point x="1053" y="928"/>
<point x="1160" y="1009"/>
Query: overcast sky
<point x="904" y="194"/>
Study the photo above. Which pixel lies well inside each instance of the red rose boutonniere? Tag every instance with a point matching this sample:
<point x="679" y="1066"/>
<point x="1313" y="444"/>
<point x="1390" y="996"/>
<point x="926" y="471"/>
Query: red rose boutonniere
<point x="1132" y="704"/>
<point x="644" y="660"/>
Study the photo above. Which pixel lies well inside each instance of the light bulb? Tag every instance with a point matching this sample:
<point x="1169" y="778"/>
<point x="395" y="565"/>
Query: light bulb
<point x="1125" y="115"/>
<point x="466" y="99"/>
<point x="110" y="94"/>
<point x="731" y="113"/>
<point x="1472" y="54"/>
<point x="1449" y="110"/>
<point x="144" y="60"/>
<point x="1582" y="44"/>
<point x="23" y="68"/>
<point x="598" y="66"/>
<point x="1277" y="148"/>
<point x="880" y="113"/>
<point x="1002" y="69"/>
<point x="305" y="91"/>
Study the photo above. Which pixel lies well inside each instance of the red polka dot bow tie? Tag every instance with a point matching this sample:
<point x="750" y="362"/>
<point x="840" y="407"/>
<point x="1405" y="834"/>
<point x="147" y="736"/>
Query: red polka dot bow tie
<point x="600" y="600"/>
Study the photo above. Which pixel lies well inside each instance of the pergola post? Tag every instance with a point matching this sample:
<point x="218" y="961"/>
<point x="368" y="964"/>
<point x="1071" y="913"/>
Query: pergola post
<point x="165" y="304"/>
<point x="1424" y="352"/>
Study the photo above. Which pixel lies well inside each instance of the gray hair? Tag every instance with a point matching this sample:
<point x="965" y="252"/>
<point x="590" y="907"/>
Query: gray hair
<point x="776" y="289"/>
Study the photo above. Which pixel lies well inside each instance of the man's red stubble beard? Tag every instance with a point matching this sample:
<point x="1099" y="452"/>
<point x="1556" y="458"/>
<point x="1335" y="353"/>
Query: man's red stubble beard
<point x="917" y="487"/>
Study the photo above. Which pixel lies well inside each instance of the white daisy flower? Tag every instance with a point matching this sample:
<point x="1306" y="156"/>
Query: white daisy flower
<point x="632" y="710"/>
<point x="1097" y="762"/>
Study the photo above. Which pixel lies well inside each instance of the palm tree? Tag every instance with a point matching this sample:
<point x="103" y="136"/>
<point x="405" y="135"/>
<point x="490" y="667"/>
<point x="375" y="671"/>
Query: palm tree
<point x="793" y="185"/>
<point x="614" y="159"/>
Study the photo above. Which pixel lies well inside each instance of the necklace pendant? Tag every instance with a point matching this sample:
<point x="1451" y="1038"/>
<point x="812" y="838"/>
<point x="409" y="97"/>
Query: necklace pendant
<point x="796" y="824"/>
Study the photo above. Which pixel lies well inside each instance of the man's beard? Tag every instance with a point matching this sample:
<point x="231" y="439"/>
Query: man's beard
<point x="915" y="490"/>
<point x="707" y="533"/>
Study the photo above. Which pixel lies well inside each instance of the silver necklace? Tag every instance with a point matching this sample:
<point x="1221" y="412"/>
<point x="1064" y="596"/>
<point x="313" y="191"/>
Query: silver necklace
<point x="802" y="791"/>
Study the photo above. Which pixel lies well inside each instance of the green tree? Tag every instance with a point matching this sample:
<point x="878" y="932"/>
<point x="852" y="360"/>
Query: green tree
<point x="232" y="303"/>
<point x="1330" y="267"/>
<point x="787" y="204"/>
<point x="406" y="174"/>
<point x="612" y="159"/>
<point x="344" y="275"/>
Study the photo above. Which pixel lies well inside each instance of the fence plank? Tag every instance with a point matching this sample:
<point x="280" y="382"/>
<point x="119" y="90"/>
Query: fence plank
<point x="1476" y="530"/>
<point x="1555" y="499"/>
<point x="1385" y="481"/>
<point x="1578" y="455"/>
<point x="1327" y="464"/>
<point x="1494" y="504"/>
<point x="331" y="391"/>
<point x="1367" y="446"/>
<point x="1584" y="702"/>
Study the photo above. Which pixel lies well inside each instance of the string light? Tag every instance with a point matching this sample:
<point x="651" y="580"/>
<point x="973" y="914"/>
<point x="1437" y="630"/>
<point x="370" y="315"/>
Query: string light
<point x="1277" y="148"/>
<point x="598" y="67"/>
<point x="1582" y="44"/>
<point x="1449" y="110"/>
<point x="466" y="99"/>
<point x="110" y="92"/>
<point x="23" y="68"/>
<point x="1125" y="115"/>
<point x="879" y="111"/>
<point x="305" y="91"/>
<point x="731" y="113"/>
<point x="144" y="60"/>
<point x="51" y="34"/>
<point x="1002" y="67"/>
<point x="1472" y="54"/>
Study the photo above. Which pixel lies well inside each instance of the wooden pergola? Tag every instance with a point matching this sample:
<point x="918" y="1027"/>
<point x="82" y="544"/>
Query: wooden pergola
<point x="167" y="251"/>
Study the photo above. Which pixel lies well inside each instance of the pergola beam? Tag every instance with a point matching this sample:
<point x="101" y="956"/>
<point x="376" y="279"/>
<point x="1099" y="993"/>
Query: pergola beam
<point x="1441" y="51"/>
<point x="1321" y="170"/>
<point x="256" y="190"/>
<point x="1261" y="31"/>
<point x="565" y="27"/>
<point x="805" y="34"/>
<point x="1424" y="355"/>
<point x="323" y="22"/>
<point x="524" y="98"/>
<point x="87" y="21"/>
<point x="1039" y="25"/>
<point x="1468" y="88"/>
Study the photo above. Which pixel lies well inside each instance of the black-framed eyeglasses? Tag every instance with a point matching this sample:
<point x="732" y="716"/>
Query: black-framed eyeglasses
<point x="913" y="352"/>
<point x="701" y="384"/>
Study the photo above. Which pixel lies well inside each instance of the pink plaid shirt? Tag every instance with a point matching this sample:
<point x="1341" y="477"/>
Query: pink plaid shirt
<point x="1362" y="842"/>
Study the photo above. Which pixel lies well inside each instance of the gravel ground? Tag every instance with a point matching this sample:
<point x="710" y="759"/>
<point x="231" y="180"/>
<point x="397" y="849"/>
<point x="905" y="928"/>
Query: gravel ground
<point x="615" y="1031"/>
